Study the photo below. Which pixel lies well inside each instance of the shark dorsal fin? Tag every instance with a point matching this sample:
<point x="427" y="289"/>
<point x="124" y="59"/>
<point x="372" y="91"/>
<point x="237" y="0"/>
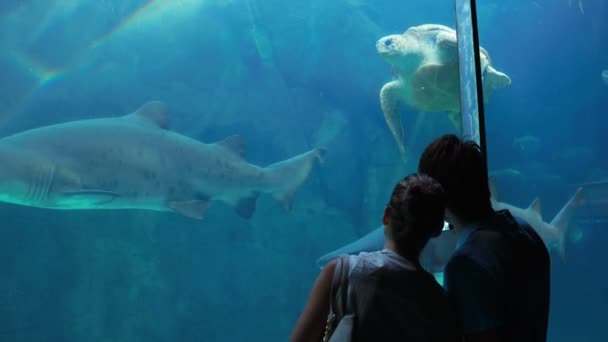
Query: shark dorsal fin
<point x="536" y="207"/>
<point x="155" y="113"/>
<point x="234" y="144"/>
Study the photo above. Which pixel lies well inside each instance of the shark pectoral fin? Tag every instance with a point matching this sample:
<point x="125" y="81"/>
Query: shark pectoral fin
<point x="245" y="207"/>
<point x="96" y="197"/>
<point x="194" y="209"/>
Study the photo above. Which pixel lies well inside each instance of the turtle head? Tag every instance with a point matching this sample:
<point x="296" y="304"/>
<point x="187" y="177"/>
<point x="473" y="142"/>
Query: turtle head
<point x="396" y="49"/>
<point x="392" y="47"/>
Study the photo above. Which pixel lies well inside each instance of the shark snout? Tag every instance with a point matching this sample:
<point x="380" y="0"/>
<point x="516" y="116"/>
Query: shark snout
<point x="14" y="187"/>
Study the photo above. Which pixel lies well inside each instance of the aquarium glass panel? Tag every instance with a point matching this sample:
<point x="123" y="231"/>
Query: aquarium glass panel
<point x="468" y="69"/>
<point x="546" y="134"/>
<point x="173" y="170"/>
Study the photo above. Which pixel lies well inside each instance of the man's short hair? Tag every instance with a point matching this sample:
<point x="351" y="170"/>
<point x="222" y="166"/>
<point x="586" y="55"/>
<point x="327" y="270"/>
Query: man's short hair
<point x="460" y="168"/>
<point x="417" y="210"/>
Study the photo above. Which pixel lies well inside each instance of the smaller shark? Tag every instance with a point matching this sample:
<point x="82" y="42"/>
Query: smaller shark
<point x="433" y="257"/>
<point x="553" y="233"/>
<point x="438" y="251"/>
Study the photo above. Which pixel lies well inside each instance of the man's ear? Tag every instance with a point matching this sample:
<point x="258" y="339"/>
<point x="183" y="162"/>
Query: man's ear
<point x="387" y="215"/>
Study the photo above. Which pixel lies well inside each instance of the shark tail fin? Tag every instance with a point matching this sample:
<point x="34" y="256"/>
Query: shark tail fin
<point x="561" y="221"/>
<point x="288" y="175"/>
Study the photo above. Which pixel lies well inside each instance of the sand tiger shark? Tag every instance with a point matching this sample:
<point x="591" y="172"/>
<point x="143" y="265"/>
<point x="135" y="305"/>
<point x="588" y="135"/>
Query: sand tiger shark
<point x="136" y="162"/>
<point x="438" y="251"/>
<point x="553" y="233"/>
<point x="433" y="257"/>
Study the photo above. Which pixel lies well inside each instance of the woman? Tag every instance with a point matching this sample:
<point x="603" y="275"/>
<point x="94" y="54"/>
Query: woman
<point x="392" y="297"/>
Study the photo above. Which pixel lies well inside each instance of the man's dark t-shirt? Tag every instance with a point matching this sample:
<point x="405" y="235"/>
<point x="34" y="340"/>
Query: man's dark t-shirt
<point x="498" y="278"/>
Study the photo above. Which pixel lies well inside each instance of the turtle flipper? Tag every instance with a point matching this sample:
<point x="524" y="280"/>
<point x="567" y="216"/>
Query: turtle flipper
<point x="492" y="80"/>
<point x="495" y="79"/>
<point x="389" y="100"/>
<point x="447" y="46"/>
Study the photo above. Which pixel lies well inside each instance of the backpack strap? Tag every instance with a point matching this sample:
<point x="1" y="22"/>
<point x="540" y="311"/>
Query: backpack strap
<point x="339" y="288"/>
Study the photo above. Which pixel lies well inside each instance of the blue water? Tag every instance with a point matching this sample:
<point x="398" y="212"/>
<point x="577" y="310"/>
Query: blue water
<point x="286" y="76"/>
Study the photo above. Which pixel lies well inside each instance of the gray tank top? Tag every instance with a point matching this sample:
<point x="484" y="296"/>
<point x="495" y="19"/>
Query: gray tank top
<point x="394" y="300"/>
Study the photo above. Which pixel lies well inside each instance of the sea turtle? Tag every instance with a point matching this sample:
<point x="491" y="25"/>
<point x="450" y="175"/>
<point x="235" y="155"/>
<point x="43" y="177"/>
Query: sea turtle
<point x="425" y="70"/>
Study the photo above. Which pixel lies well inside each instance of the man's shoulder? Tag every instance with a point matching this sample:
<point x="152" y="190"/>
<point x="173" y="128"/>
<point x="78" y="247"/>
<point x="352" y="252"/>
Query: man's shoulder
<point x="503" y="229"/>
<point x="527" y="239"/>
<point x="464" y="261"/>
<point x="480" y="248"/>
<point x="491" y="249"/>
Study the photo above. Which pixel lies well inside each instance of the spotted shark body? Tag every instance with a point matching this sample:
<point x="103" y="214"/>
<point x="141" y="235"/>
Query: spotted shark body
<point x="136" y="162"/>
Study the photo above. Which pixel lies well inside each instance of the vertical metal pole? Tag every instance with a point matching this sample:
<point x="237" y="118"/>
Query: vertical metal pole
<point x="471" y="86"/>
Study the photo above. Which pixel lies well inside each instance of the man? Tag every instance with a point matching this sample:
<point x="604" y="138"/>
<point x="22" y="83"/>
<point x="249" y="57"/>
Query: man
<point x="498" y="276"/>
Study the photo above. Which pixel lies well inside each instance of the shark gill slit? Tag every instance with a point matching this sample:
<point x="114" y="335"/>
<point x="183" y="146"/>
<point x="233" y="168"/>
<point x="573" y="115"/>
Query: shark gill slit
<point x="30" y="188"/>
<point x="39" y="190"/>
<point x="35" y="186"/>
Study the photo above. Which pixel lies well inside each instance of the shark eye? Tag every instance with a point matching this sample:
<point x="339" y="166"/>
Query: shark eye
<point x="388" y="42"/>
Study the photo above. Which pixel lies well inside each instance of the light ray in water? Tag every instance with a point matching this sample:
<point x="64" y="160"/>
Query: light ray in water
<point x="42" y="78"/>
<point x="124" y="23"/>
<point x="43" y="75"/>
<point x="56" y="12"/>
<point x="151" y="11"/>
